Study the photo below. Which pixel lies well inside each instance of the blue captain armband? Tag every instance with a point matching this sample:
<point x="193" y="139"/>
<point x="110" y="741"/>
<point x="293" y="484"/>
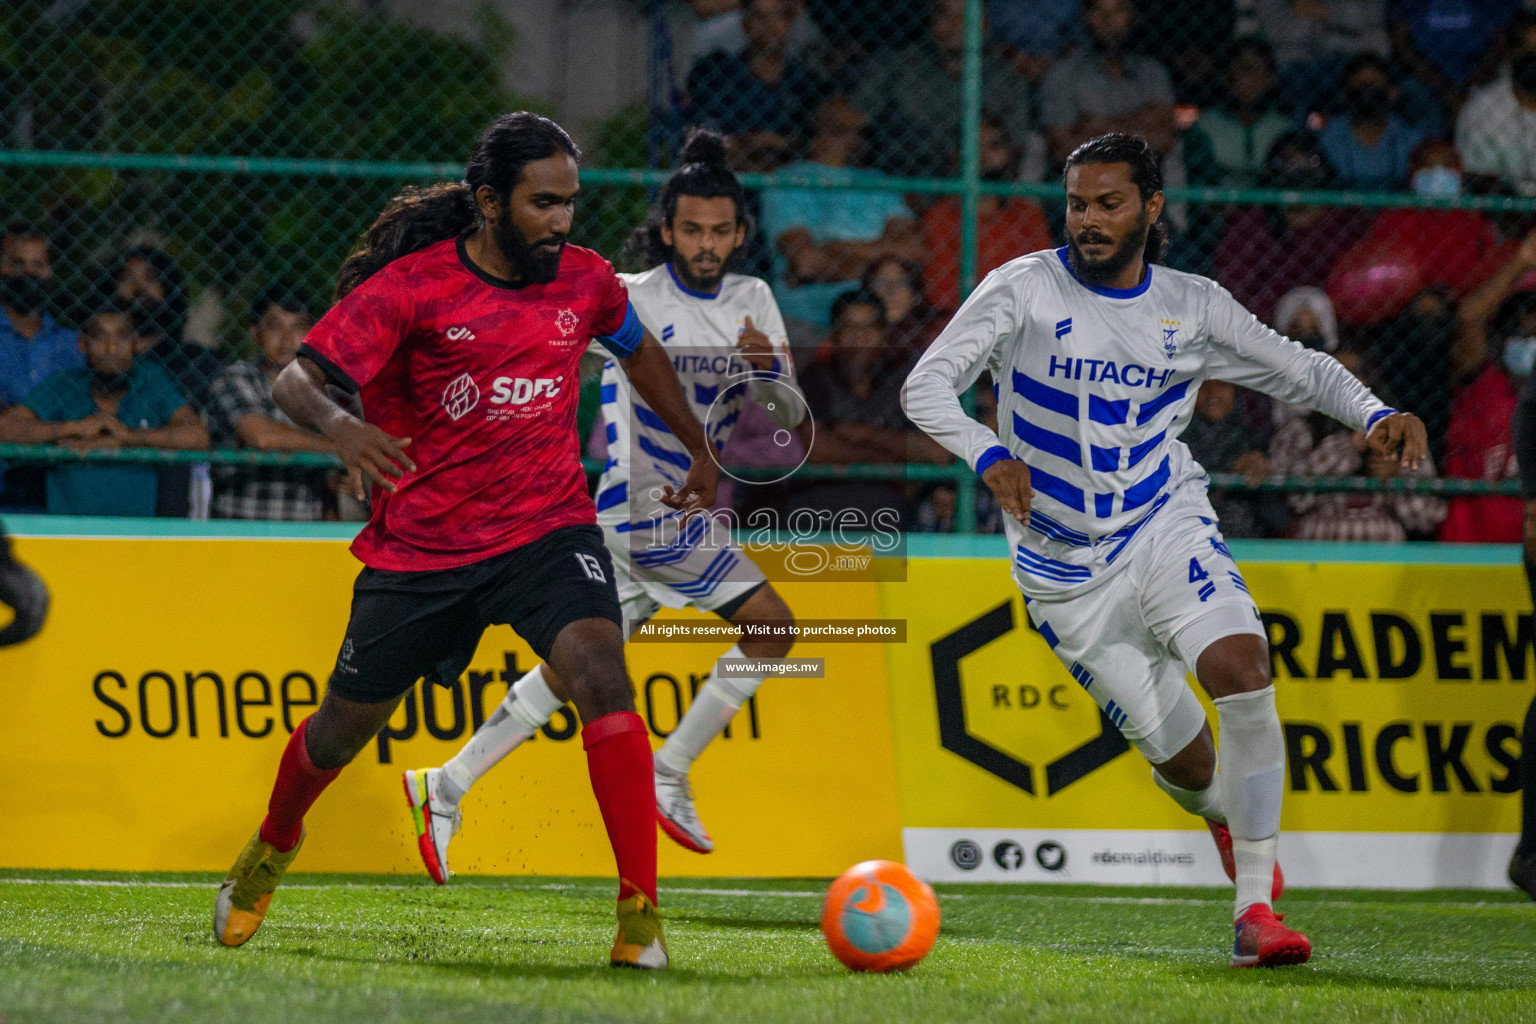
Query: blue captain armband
<point x="997" y="453"/>
<point x="623" y="342"/>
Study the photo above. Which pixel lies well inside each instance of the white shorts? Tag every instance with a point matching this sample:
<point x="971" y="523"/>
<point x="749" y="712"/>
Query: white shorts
<point x="667" y="568"/>
<point x="1131" y="641"/>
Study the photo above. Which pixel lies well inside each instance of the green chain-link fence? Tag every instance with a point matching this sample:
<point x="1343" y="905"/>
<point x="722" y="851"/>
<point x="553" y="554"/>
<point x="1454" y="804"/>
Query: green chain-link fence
<point x="1359" y="174"/>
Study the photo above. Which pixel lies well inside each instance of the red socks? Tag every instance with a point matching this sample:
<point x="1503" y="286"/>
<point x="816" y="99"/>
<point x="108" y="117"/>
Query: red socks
<point x="299" y="784"/>
<point x="619" y="761"/>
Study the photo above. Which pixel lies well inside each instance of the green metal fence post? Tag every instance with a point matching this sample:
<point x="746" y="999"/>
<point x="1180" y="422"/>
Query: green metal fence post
<point x="970" y="177"/>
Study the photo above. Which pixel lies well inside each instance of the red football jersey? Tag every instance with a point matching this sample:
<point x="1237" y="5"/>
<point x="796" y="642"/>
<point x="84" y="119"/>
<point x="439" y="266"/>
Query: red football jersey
<point x="482" y="377"/>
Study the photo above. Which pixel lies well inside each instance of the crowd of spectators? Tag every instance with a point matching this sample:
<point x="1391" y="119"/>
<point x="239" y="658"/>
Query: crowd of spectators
<point x="128" y="377"/>
<point x="1432" y="306"/>
<point x="1432" y="98"/>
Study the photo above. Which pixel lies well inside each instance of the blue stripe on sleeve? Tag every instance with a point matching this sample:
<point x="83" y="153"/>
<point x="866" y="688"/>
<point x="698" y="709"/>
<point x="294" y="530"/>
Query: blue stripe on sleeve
<point x="1055" y="487"/>
<point x="1377" y="417"/>
<point x="1102" y="410"/>
<point x="1048" y="441"/>
<point x="1043" y="395"/>
<point x="608" y="394"/>
<point x="611" y="432"/>
<point x="994" y="454"/>
<point x="627" y="338"/>
<point x="1162" y="401"/>
<point x="1049" y="634"/>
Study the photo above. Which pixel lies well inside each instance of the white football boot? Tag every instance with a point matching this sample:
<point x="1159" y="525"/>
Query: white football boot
<point x="676" y="815"/>
<point x="437" y="821"/>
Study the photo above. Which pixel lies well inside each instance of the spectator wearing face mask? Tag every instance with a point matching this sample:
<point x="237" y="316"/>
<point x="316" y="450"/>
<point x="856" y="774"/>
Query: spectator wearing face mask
<point x="1369" y="146"/>
<point x="33" y="346"/>
<point x="1480" y="444"/>
<point x="1496" y="349"/>
<point x="1306" y="315"/>
<point x="1445" y="246"/>
<point x="1496" y="131"/>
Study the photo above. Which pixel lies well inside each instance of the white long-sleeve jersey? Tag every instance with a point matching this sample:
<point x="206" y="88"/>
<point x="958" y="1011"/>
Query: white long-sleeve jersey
<point x="699" y="332"/>
<point x="1094" y="386"/>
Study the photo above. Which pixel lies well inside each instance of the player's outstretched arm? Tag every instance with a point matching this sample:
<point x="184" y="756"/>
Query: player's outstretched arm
<point x="364" y="449"/>
<point x="952" y="364"/>
<point x="651" y="372"/>
<point x="1246" y="352"/>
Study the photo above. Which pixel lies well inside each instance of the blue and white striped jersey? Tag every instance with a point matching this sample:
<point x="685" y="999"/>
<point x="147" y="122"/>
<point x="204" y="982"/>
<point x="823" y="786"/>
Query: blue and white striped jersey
<point x="1094" y="386"/>
<point x="699" y="332"/>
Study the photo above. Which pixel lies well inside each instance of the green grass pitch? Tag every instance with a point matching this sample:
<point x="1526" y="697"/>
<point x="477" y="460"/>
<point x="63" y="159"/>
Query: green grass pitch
<point x="384" y="949"/>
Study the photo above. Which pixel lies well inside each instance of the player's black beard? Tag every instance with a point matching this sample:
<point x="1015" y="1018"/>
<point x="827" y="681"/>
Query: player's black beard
<point x="1131" y="249"/>
<point x="693" y="282"/>
<point x="531" y="264"/>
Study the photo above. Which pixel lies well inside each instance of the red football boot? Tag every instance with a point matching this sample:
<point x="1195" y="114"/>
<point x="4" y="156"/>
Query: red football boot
<point x="1262" y="941"/>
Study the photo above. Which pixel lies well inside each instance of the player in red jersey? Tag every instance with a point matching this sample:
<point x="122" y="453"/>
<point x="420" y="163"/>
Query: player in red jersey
<point x="461" y="319"/>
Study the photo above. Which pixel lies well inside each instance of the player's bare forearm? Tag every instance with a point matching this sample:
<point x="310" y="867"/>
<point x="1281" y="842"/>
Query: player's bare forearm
<point x="656" y="383"/>
<point x="367" y="452"/>
<point x="300" y="392"/>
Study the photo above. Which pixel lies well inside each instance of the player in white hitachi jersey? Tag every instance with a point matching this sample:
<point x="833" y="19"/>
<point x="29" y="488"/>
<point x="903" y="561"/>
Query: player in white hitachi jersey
<point x="727" y="342"/>
<point x="1097" y="356"/>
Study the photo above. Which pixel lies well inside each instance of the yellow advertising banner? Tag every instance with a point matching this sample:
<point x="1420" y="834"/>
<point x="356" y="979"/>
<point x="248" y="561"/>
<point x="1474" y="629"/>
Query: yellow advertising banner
<point x="142" y="728"/>
<point x="148" y="717"/>
<point x="1401" y="688"/>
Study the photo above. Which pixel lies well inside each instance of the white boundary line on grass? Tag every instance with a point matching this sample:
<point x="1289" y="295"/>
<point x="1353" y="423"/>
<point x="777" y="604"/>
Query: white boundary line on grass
<point x="1151" y="901"/>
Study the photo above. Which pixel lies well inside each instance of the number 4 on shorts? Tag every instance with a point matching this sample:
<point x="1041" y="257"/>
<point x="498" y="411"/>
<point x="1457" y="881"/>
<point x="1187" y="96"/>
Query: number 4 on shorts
<point x="1196" y="575"/>
<point x="591" y="566"/>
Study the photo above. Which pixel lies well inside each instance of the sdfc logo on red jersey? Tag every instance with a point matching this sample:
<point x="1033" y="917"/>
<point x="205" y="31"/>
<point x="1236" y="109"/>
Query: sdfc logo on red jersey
<point x="460" y="396"/>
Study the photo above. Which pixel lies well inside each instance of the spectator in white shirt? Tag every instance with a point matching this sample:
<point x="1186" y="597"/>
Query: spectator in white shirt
<point x="1496" y="132"/>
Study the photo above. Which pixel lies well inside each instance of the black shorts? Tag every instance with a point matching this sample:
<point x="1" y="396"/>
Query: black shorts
<point x="406" y="625"/>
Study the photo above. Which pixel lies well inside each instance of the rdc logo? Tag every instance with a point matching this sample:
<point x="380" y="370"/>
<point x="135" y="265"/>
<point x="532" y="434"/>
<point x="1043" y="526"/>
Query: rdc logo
<point x="1051" y="855"/>
<point x="965" y="855"/>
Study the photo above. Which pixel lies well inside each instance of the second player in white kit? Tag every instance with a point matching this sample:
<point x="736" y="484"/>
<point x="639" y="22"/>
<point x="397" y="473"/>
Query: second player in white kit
<point x="1097" y="356"/>
<point x="727" y="342"/>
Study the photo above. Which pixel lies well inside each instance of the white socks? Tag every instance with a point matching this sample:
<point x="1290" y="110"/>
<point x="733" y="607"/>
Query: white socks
<point x="712" y="709"/>
<point x="529" y="704"/>
<point x="1203" y="803"/>
<point x="1252" y="781"/>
